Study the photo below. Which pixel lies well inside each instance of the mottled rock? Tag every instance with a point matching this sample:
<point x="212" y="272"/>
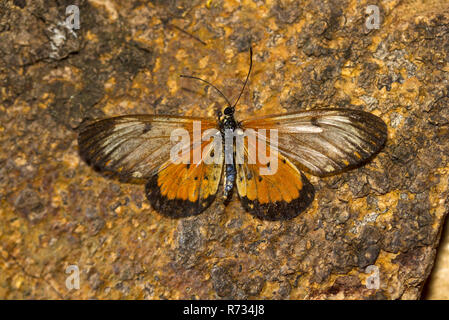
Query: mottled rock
<point x="127" y="57"/>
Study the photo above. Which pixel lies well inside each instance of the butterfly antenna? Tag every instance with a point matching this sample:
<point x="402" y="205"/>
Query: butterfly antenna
<point x="247" y="76"/>
<point x="207" y="82"/>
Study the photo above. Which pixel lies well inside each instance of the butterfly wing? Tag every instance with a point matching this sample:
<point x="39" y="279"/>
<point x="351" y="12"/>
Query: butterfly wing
<point x="182" y="190"/>
<point x="137" y="148"/>
<point x="325" y="141"/>
<point x="282" y="194"/>
<point x="133" y="147"/>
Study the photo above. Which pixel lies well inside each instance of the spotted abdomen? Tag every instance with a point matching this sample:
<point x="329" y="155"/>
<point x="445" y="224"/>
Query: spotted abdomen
<point x="230" y="174"/>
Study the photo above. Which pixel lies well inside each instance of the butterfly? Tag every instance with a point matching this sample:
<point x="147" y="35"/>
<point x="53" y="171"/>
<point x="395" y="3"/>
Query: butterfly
<point x="139" y="148"/>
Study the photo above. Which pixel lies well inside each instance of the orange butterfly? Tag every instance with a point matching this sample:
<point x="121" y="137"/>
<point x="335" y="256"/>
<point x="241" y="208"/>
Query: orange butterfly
<point x="138" y="149"/>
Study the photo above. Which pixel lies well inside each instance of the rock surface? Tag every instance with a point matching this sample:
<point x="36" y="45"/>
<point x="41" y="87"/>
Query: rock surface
<point x="127" y="57"/>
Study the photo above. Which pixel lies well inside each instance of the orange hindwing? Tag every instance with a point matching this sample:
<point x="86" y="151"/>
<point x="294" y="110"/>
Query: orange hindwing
<point x="181" y="190"/>
<point x="282" y="192"/>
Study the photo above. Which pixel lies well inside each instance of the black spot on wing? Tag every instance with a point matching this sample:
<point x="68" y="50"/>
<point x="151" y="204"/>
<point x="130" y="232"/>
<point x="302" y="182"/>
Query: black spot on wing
<point x="147" y="127"/>
<point x="281" y="210"/>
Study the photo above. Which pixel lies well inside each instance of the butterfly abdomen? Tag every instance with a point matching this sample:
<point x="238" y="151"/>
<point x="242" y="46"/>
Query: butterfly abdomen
<point x="230" y="174"/>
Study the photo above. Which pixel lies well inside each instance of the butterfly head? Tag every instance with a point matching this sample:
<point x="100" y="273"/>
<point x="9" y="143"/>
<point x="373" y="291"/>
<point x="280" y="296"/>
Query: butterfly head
<point x="227" y="120"/>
